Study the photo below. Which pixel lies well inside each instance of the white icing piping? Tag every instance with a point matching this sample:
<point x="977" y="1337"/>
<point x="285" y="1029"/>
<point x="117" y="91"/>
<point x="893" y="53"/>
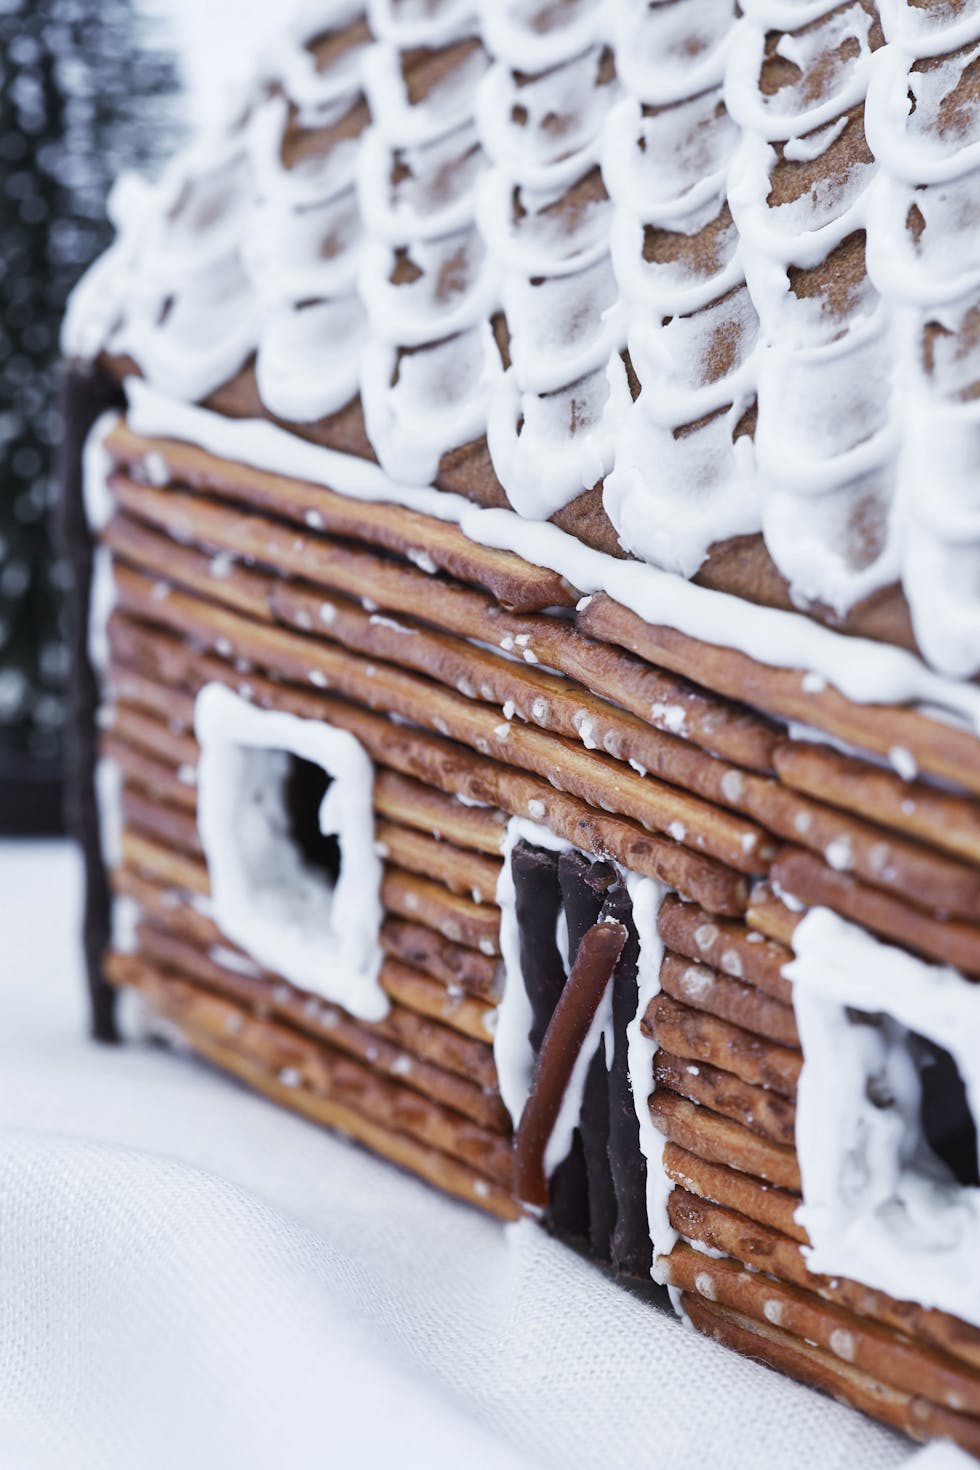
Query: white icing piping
<point x="288" y="918"/>
<point x="646" y="896"/>
<point x="863" y="671"/>
<point x="874" y="1209"/>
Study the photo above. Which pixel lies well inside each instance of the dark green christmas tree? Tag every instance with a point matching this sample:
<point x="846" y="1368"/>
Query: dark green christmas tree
<point x="85" y="91"/>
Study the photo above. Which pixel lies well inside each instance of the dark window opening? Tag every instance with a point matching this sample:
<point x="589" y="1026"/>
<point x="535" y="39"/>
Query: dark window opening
<point x="306" y="784"/>
<point x="947" y="1122"/>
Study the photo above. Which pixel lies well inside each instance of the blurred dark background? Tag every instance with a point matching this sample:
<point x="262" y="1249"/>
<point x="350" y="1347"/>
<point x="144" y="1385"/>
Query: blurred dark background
<point x="87" y="89"/>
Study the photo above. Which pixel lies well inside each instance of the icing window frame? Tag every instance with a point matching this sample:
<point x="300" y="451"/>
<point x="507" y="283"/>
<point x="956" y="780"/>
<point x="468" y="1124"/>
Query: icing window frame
<point x="879" y="1205"/>
<point x="317" y="929"/>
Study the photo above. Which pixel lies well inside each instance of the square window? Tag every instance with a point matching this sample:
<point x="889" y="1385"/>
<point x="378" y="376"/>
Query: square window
<point x="888" y="1104"/>
<point x="285" y="813"/>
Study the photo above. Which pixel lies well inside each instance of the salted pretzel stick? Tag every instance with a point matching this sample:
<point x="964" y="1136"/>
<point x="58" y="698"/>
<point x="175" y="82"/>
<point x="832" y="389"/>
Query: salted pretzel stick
<point x="440" y="1169"/>
<point x="455" y="918"/>
<point x="935" y="746"/>
<point x="660" y="699"/>
<point x="428" y="997"/>
<point x="928" y="879"/>
<point x="757" y="1108"/>
<point x="542" y="699"/>
<point x="812" y="882"/>
<point x="869" y="1346"/>
<point x="602" y="782"/>
<point x="949" y="821"/>
<point x="445" y="1048"/>
<point x="325" y="1023"/>
<point x="419" y="538"/>
<point x="453" y="964"/>
<point x="739" y="1191"/>
<point x="855" y="1350"/>
<point x="913" y="1414"/>
<point x="315" y="1065"/>
<point x="598" y="952"/>
<point x="768" y="915"/>
<point x="413" y="804"/>
<point x="462" y="872"/>
<point x="765" y="1249"/>
<point x="719" y="995"/>
<point x="720" y="1141"/>
<point x="452" y="769"/>
<point x="702" y="1038"/>
<point x="730" y="947"/>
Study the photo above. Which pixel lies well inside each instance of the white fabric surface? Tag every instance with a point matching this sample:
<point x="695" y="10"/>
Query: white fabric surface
<point x="191" y="1277"/>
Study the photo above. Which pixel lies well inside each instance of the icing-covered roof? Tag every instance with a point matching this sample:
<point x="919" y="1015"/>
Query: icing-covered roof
<point x="725" y="264"/>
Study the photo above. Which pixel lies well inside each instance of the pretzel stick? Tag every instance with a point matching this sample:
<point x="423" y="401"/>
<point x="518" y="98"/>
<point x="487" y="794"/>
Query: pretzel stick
<point x="926" y="878"/>
<point x="162" y="865"/>
<point x="870" y="1347"/>
<point x="452" y="964"/>
<point x="170" y="825"/>
<point x="658" y="698"/>
<point x="813" y="883"/>
<point x="451" y="769"/>
<point x="730" y="1000"/>
<point x="462" y="872"/>
<point x="601" y="782"/>
<point x="756" y="1108"/>
<point x="455" y="918"/>
<point x="440" y="1169"/>
<point x="148" y="773"/>
<point x="444" y="1048"/>
<point x="762" y="1202"/>
<point x="765" y="1249"/>
<point x="935" y="746"/>
<point x="702" y="1038"/>
<point x="732" y="948"/>
<point x="322" y="1069"/>
<point x="325" y="1023"/>
<point x="413" y="804"/>
<point x="949" y="821"/>
<point x="720" y="1141"/>
<point x="543" y="699"/>
<point x="915" y="1415"/>
<point x="768" y="915"/>
<point x="598" y="951"/>
<point x="512" y="580"/>
<point x="426" y="996"/>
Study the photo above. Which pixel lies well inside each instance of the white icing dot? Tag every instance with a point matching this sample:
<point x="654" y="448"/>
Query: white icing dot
<point x="814" y="683"/>
<point x="842" y="1344"/>
<point x="536" y="809"/>
<point x="840" y="854"/>
<point x="904" y="762"/>
<point x="731" y="785"/>
<point x="772" y="1310"/>
<point x="328" y="613"/>
<point x="319" y="679"/>
<point x="290" y="1077"/>
<point x="705" y="1286"/>
<point x="678" y="831"/>
<point x="314" y="520"/>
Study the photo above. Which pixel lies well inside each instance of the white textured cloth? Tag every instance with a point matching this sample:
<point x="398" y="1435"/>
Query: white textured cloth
<point x="190" y="1277"/>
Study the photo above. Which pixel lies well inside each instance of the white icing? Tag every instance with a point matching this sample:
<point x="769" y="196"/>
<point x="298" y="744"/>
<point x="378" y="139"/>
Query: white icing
<point x="876" y="1206"/>
<point x="646" y="896"/>
<point x="862" y="465"/>
<point x="863" y="671"/>
<point x="323" y="938"/>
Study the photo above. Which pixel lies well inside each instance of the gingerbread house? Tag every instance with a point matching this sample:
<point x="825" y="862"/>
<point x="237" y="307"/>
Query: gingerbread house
<point x="524" y="491"/>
